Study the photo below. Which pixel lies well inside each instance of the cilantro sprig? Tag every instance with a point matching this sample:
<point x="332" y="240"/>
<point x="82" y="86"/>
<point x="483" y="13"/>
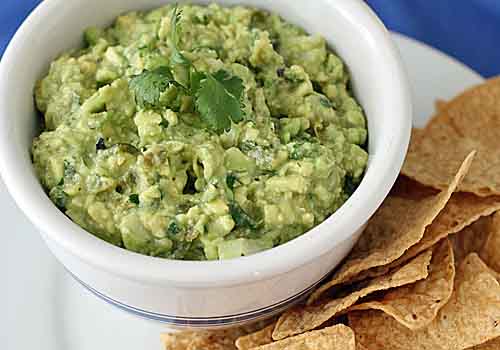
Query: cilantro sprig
<point x="218" y="100"/>
<point x="149" y="85"/>
<point x="217" y="96"/>
<point x="176" y="56"/>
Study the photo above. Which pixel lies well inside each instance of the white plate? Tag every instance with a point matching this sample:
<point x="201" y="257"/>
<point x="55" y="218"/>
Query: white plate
<point x="45" y="309"/>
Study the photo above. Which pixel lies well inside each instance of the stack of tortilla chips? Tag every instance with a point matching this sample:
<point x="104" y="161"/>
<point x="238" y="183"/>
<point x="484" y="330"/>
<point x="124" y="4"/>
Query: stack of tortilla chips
<point x="425" y="272"/>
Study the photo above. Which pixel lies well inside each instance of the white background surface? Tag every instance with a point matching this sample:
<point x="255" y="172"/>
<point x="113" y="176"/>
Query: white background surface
<point x="43" y="308"/>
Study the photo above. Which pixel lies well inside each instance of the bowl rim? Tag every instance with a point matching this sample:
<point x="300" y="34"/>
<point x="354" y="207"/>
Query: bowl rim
<point x="362" y="203"/>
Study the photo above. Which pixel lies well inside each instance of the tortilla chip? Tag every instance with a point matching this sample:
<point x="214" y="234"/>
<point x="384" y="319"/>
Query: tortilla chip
<point x="223" y="339"/>
<point x="461" y="210"/>
<point x="469" y="122"/>
<point x="471" y="317"/>
<point x="338" y="337"/>
<point x="417" y="304"/>
<point x="302" y="319"/>
<point x="361" y="347"/>
<point x="483" y="238"/>
<point x="416" y="136"/>
<point x="440" y="105"/>
<point x="397" y="225"/>
<point x="258" y="338"/>
<point x="491" y="345"/>
<point x="206" y="340"/>
<point x="490" y="251"/>
<point x="471" y="239"/>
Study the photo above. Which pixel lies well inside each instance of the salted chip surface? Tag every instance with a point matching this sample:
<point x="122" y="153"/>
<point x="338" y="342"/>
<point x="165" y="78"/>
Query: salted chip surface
<point x="223" y="339"/>
<point x="397" y="225"/>
<point x="471" y="121"/>
<point x="462" y="210"/>
<point x="416" y="135"/>
<point x="417" y="304"/>
<point x="305" y="318"/>
<point x="206" y="340"/>
<point x="471" y="317"/>
<point x="258" y="338"/>
<point x="338" y="337"/>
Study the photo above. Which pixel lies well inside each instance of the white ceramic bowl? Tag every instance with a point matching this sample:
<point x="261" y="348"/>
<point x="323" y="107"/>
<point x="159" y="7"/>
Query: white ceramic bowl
<point x="216" y="293"/>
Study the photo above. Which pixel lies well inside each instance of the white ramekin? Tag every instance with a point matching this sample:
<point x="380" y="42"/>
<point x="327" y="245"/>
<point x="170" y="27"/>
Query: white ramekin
<point x="216" y="293"/>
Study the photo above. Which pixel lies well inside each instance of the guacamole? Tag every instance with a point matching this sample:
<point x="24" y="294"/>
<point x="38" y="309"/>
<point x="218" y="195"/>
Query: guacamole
<point x="199" y="133"/>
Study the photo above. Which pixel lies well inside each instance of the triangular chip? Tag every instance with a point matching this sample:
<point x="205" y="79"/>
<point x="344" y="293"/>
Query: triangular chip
<point x="338" y="337"/>
<point x="461" y="210"/>
<point x="397" y="225"/>
<point x="258" y="338"/>
<point x="471" y="121"/>
<point x="471" y="317"/>
<point x="417" y="304"/>
<point x="305" y="318"/>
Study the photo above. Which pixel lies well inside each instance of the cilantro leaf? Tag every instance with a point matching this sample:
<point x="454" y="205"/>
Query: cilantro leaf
<point x="59" y="197"/>
<point x="218" y="100"/>
<point x="217" y="96"/>
<point x="148" y="85"/>
<point x="232" y="83"/>
<point x="325" y="102"/>
<point x="239" y="216"/>
<point x="195" y="80"/>
<point x="230" y="181"/>
<point x="176" y="56"/>
<point x="134" y="198"/>
<point x="173" y="228"/>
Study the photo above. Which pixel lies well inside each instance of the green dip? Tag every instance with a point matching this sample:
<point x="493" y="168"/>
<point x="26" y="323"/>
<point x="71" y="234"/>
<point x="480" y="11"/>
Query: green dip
<point x="232" y="133"/>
